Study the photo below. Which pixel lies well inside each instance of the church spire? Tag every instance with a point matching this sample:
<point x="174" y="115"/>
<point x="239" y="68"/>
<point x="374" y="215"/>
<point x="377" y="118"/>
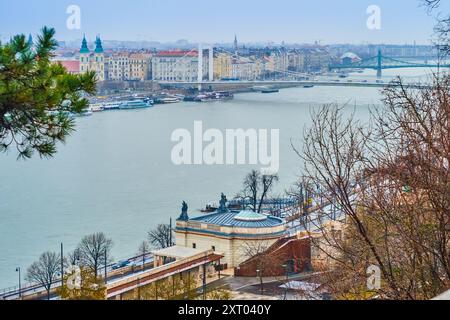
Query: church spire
<point x="30" y="40"/>
<point x="98" y="45"/>
<point x="235" y="43"/>
<point x="84" y="46"/>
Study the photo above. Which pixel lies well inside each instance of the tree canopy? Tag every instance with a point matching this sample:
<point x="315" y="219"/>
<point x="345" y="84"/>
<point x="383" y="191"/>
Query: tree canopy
<point x="90" y="288"/>
<point x="38" y="98"/>
<point x="45" y="271"/>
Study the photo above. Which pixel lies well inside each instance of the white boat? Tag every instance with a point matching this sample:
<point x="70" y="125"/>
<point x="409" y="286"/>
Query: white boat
<point x="169" y="100"/>
<point x="97" y="107"/>
<point x="215" y="96"/>
<point x="111" y="106"/>
<point x="135" y="104"/>
<point x="166" y="100"/>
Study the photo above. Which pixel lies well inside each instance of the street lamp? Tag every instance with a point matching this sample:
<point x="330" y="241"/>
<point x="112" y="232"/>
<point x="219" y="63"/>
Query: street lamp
<point x="139" y="288"/>
<point x="204" y="278"/>
<point x="258" y="273"/>
<point x="20" y="284"/>
<point x="62" y="265"/>
<point x="106" y="266"/>
<point x="285" y="266"/>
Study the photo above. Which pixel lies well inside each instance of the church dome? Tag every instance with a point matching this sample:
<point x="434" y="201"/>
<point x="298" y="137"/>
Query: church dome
<point x="250" y="216"/>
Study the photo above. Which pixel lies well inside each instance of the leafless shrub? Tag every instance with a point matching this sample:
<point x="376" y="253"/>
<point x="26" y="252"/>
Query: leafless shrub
<point x="391" y="184"/>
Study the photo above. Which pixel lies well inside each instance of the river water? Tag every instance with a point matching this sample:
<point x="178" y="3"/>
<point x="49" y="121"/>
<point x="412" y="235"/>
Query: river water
<point x="115" y="173"/>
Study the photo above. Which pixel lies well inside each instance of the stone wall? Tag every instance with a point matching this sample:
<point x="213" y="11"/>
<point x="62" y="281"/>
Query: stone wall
<point x="111" y="87"/>
<point x="291" y="253"/>
<point x="233" y="249"/>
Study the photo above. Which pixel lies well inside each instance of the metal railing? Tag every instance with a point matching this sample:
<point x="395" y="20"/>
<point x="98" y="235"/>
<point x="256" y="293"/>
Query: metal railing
<point x="28" y="289"/>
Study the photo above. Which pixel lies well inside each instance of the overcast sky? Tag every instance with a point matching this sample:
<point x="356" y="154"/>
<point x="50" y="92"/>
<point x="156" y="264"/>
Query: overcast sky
<point x="293" y="21"/>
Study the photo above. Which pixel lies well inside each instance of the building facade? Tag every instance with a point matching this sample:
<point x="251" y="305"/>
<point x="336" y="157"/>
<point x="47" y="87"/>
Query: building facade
<point x="140" y="66"/>
<point x="317" y="59"/>
<point x="296" y="61"/>
<point x="176" y="65"/>
<point x="93" y="61"/>
<point x="126" y="66"/>
<point x="245" y="69"/>
<point x="228" y="232"/>
<point x="222" y="66"/>
<point x="118" y="66"/>
<point x="287" y="255"/>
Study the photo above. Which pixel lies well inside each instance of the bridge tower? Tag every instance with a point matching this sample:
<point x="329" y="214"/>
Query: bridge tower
<point x="200" y="65"/>
<point x="211" y="63"/>
<point x="379" y="63"/>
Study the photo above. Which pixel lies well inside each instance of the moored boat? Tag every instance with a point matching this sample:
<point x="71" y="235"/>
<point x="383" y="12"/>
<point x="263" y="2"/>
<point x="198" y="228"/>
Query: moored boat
<point x="167" y="100"/>
<point x="270" y="90"/>
<point x="135" y="104"/>
<point x="211" y="96"/>
<point x="96" y="107"/>
<point x="111" y="106"/>
<point x="224" y="95"/>
<point x="190" y="98"/>
<point x="209" y="208"/>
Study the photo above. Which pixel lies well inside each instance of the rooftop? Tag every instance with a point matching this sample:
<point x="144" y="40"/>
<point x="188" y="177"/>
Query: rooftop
<point x="177" y="53"/>
<point x="250" y="216"/>
<point x="243" y="219"/>
<point x="72" y="66"/>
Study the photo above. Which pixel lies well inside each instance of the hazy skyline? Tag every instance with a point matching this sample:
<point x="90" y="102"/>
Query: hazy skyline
<point x="292" y="21"/>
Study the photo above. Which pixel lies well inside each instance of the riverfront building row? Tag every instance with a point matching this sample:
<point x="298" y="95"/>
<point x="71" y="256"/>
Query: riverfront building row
<point x="238" y="62"/>
<point x="183" y="65"/>
<point x="116" y="66"/>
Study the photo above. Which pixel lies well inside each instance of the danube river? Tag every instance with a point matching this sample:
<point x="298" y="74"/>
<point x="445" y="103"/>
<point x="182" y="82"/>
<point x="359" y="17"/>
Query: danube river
<point x="115" y="173"/>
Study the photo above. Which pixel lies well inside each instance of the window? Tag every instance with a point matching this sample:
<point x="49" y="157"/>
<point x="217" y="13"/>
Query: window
<point x="194" y="246"/>
<point x="213" y="248"/>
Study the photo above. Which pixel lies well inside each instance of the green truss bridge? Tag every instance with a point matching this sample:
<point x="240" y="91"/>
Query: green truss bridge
<point x="380" y="62"/>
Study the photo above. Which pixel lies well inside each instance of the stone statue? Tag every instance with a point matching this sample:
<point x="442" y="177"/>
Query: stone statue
<point x="223" y="204"/>
<point x="184" y="212"/>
